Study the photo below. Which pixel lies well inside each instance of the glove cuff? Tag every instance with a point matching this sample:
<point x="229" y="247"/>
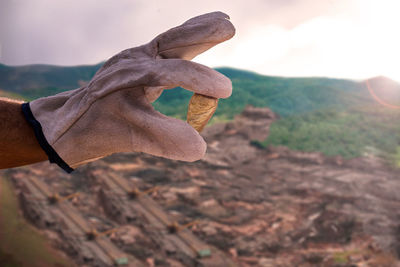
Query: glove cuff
<point x="48" y="149"/>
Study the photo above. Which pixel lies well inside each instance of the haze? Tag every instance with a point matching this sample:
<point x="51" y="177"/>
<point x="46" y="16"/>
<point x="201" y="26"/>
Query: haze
<point x="353" y="39"/>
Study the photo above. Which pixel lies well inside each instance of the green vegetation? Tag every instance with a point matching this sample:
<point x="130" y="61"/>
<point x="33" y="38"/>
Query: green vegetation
<point x="333" y="116"/>
<point x="340" y="258"/>
<point x="396" y="157"/>
<point x="33" y="81"/>
<point x="349" y="133"/>
<point x="11" y="95"/>
<point x="285" y="96"/>
<point x="20" y="243"/>
<point x="343" y="257"/>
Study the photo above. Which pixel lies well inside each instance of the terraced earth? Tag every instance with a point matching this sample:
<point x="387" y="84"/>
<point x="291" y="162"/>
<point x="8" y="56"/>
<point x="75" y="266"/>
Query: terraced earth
<point x="250" y="205"/>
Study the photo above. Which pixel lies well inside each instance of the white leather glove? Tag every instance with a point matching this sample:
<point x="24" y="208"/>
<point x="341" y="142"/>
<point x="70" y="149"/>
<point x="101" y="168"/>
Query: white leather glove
<point x="113" y="113"/>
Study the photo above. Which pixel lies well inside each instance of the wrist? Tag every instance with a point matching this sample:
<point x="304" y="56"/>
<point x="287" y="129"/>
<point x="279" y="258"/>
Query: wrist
<point x="38" y="131"/>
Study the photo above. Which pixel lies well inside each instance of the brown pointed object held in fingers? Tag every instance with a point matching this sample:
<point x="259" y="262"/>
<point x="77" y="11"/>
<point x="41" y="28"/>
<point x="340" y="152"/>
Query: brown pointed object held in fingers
<point x="200" y="110"/>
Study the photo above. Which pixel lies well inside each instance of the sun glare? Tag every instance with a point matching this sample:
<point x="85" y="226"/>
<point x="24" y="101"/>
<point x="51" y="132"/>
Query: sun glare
<point x="359" y="43"/>
<point x="382" y="21"/>
<point x="378" y="99"/>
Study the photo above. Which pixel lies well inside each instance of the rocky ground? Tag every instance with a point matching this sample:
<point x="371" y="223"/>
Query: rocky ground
<point x="262" y="207"/>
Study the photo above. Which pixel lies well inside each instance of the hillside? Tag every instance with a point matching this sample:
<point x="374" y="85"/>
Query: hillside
<point x="334" y="116"/>
<point x="350" y="133"/>
<point x="284" y="96"/>
<point x="238" y="206"/>
<point x="33" y="81"/>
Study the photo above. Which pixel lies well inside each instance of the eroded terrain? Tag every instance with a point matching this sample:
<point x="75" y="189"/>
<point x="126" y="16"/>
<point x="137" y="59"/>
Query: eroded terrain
<point x="249" y="206"/>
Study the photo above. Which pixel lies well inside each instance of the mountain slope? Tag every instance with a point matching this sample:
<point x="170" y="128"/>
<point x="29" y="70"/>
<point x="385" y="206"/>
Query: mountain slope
<point x="260" y="207"/>
<point x="284" y="96"/>
<point x="335" y="116"/>
<point x="354" y="132"/>
<point x="34" y="81"/>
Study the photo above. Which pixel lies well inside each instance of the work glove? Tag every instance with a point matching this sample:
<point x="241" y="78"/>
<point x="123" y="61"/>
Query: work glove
<point x="113" y="112"/>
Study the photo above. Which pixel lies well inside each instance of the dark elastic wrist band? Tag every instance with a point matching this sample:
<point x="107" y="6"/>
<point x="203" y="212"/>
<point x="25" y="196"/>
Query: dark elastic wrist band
<point x="37" y="128"/>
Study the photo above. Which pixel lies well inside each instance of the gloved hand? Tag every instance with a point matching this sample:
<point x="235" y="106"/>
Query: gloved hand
<point x="113" y="113"/>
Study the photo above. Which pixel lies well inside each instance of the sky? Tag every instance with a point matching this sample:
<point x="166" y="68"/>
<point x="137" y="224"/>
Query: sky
<point x="354" y="39"/>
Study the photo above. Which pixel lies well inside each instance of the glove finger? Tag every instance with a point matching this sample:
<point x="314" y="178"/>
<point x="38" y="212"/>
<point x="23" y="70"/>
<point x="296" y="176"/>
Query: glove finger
<point x="154" y="133"/>
<point x="192" y="76"/>
<point x="194" y="36"/>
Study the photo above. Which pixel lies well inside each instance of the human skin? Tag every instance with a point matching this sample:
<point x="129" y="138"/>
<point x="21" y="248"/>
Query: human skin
<point x="18" y="144"/>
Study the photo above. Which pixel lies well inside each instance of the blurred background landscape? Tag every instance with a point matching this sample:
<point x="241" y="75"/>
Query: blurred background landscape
<point x="303" y="160"/>
<point x="298" y="172"/>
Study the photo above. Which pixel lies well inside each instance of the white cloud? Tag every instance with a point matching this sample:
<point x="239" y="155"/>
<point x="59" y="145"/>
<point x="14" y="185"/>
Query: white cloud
<point x="357" y="44"/>
<point x="336" y="38"/>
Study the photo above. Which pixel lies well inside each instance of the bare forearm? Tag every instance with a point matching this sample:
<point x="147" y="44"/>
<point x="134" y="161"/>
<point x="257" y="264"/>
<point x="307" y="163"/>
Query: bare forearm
<point x="18" y="144"/>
